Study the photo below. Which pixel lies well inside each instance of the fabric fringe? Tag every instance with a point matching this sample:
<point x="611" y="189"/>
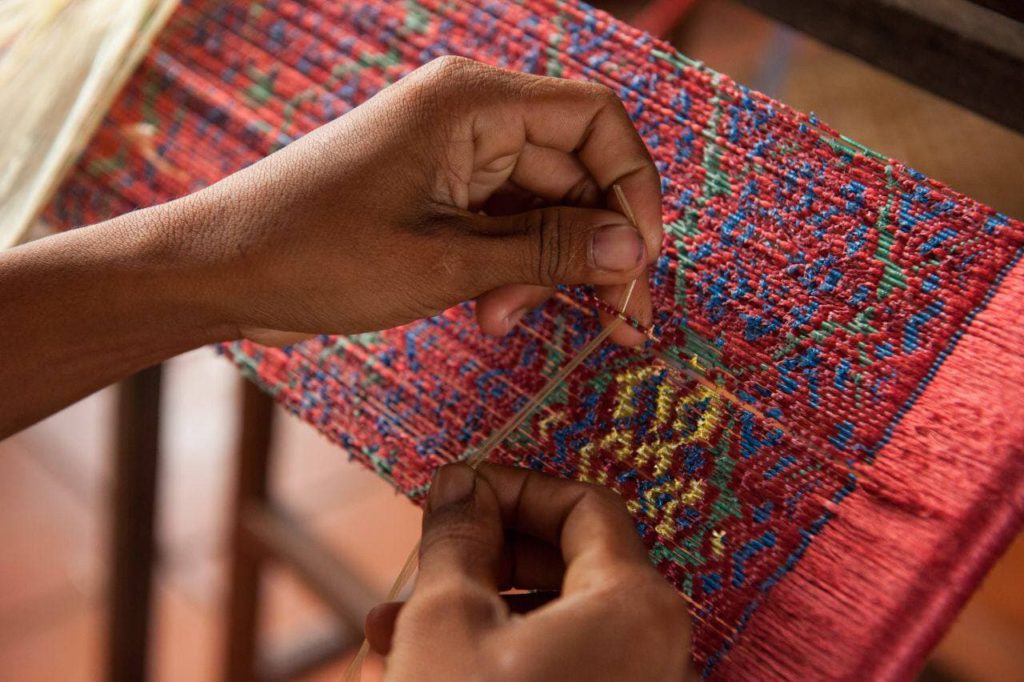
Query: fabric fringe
<point x="918" y="564"/>
<point x="62" y="63"/>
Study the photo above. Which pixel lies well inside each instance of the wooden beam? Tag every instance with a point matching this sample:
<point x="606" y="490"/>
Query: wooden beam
<point x="957" y="49"/>
<point x="281" y="538"/>
<point x="136" y="462"/>
<point x="247" y="563"/>
<point x="1011" y="8"/>
<point x="313" y="650"/>
<point x="264" y="533"/>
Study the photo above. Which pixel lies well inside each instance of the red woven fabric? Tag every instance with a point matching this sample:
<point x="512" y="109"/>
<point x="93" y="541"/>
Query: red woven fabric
<point x="821" y="449"/>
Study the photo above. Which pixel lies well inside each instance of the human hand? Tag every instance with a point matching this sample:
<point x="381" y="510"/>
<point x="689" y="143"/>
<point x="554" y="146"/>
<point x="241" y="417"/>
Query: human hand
<point x="375" y="219"/>
<point x="615" y="619"/>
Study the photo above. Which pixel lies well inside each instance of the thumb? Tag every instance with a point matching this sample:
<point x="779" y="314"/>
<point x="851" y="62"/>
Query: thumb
<point x="557" y="245"/>
<point x="462" y="532"/>
<point x="456" y="595"/>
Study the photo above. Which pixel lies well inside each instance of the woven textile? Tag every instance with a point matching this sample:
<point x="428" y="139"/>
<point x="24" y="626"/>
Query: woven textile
<point x="821" y="448"/>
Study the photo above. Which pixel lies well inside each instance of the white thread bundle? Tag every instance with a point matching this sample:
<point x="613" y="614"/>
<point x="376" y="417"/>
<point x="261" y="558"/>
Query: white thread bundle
<point x="62" y="63"/>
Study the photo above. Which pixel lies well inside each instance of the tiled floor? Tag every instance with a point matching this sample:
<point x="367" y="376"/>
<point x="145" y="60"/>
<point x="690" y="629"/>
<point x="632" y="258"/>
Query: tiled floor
<point x="53" y="482"/>
<point x="54" y="476"/>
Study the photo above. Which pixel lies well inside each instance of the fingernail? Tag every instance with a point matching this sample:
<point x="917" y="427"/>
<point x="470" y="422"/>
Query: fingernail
<point x="513" y="319"/>
<point x="452" y="483"/>
<point x="617" y="248"/>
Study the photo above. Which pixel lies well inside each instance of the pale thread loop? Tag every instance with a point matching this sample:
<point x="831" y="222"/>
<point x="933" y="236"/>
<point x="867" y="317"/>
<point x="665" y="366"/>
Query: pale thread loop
<point x="355" y="668"/>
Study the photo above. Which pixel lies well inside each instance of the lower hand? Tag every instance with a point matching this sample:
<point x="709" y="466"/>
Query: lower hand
<point x="615" y="619"/>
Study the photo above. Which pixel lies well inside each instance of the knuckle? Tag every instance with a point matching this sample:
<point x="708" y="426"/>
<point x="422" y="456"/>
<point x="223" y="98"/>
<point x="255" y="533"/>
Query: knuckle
<point x="643" y="596"/>
<point x="450" y="595"/>
<point x="439" y="83"/>
<point x="455" y="598"/>
<point x="583" y="192"/>
<point x="665" y="607"/>
<point x="552" y="262"/>
<point x="509" y="662"/>
<point x="532" y="87"/>
<point x="606" y="496"/>
<point x="449" y="67"/>
<point x="453" y="531"/>
<point x="603" y="94"/>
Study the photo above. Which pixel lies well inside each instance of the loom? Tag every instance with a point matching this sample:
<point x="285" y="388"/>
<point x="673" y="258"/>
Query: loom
<point x="821" y="442"/>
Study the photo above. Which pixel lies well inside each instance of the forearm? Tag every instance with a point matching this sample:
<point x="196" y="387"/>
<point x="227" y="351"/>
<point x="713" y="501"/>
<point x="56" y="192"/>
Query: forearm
<point x="372" y="221"/>
<point x="86" y="308"/>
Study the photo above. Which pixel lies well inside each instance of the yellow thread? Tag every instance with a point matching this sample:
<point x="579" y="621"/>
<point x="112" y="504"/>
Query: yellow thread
<point x="546" y="423"/>
<point x="645" y="452"/>
<point x="718" y="542"/>
<point x="584" y="466"/>
<point x="627" y="382"/>
<point x="665" y="515"/>
<point x="668" y="411"/>
<point x="666" y="527"/>
<point x="584" y="471"/>
<point x="355" y="668"/>
<point x="620" y="440"/>
<point x="694" y="493"/>
<point x="663" y="406"/>
<point x="623" y="408"/>
<point x="708" y="419"/>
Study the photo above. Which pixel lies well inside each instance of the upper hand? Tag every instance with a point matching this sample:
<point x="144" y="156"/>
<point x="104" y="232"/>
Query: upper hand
<point x="615" y="619"/>
<point x="425" y="196"/>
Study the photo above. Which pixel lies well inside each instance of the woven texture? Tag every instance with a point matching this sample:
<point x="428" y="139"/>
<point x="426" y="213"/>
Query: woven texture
<point x="823" y="512"/>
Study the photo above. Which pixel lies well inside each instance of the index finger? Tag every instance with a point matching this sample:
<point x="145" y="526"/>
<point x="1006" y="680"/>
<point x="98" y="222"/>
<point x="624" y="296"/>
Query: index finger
<point x="590" y="121"/>
<point x="589" y="523"/>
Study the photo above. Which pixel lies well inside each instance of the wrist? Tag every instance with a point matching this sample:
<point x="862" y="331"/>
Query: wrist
<point x="163" y="274"/>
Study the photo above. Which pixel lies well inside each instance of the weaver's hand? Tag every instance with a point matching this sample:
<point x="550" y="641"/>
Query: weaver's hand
<point x="375" y="219"/>
<point x="368" y="222"/>
<point x="616" y="618"/>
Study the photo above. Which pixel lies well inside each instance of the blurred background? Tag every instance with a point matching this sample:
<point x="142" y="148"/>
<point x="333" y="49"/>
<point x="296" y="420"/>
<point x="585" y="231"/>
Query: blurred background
<point x="55" y="478"/>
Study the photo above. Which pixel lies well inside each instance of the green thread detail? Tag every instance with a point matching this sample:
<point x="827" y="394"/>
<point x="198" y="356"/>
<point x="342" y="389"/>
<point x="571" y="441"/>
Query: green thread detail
<point x="98" y="168"/>
<point x="716" y="183"/>
<point x="659" y="552"/>
<point x="150" y="91"/>
<point x="292" y="106"/>
<point x="892" y="274"/>
<point x="727" y="503"/>
<point x="554" y="67"/>
<point x="365" y="339"/>
<point x="417" y="18"/>
<point x="262" y="88"/>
